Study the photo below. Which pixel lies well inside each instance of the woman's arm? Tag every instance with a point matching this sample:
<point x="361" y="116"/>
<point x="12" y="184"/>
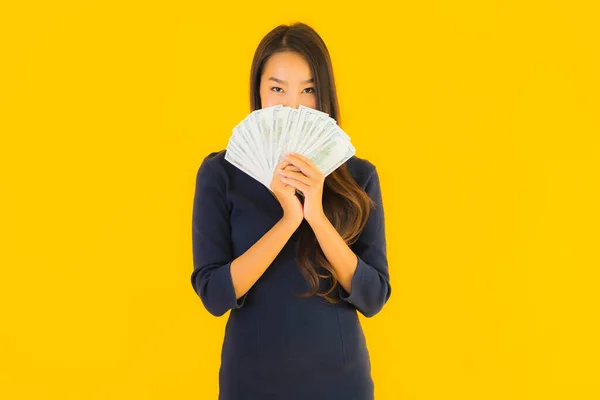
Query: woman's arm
<point x="221" y="281"/>
<point x="335" y="249"/>
<point x="363" y="269"/>
<point x="248" y="267"/>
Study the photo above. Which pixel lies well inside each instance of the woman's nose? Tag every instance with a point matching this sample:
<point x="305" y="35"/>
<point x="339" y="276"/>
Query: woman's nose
<point x="292" y="102"/>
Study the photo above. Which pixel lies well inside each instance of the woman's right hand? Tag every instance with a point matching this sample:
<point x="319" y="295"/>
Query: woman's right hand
<point x="286" y="194"/>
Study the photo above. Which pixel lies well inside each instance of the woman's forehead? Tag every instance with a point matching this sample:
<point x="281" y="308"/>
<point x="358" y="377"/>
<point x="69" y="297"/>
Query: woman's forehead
<point x="288" y="66"/>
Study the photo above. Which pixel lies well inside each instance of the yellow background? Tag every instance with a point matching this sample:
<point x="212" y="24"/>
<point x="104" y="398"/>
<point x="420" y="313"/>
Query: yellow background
<point x="481" y="116"/>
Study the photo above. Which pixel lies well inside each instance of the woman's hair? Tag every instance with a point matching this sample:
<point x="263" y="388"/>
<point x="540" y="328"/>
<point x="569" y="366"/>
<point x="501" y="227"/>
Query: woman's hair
<point x="345" y="203"/>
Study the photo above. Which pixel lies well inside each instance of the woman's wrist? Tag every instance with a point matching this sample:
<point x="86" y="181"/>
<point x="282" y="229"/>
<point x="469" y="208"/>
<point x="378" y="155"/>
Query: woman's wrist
<point x="293" y="222"/>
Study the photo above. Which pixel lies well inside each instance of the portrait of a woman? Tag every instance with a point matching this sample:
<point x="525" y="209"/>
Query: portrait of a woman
<point x="297" y="264"/>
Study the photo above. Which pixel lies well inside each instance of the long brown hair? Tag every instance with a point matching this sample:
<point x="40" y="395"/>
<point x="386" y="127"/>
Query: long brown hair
<point x="345" y="203"/>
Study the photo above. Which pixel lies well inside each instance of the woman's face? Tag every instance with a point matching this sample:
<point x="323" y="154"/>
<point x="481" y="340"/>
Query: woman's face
<point x="287" y="80"/>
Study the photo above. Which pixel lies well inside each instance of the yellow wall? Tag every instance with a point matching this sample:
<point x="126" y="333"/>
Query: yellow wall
<point x="481" y="116"/>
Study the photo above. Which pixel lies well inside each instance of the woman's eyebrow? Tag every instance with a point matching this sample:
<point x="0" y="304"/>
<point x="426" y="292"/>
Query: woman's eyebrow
<point x="285" y="82"/>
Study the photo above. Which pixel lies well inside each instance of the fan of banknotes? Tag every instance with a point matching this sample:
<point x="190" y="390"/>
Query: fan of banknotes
<point x="260" y="139"/>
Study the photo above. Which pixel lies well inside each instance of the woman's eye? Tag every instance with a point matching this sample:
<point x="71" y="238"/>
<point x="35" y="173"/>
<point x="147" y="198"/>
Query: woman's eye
<point x="275" y="87"/>
<point x="311" y="90"/>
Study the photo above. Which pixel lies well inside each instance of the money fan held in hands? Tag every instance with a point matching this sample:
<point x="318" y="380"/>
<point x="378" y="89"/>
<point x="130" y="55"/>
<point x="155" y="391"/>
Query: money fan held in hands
<point x="258" y="141"/>
<point x="292" y="271"/>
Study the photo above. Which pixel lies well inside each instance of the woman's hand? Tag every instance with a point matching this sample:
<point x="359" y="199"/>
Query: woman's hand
<point x="286" y="194"/>
<point x="309" y="180"/>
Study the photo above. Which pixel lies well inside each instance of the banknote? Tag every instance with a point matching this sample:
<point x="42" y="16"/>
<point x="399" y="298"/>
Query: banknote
<point x="259" y="140"/>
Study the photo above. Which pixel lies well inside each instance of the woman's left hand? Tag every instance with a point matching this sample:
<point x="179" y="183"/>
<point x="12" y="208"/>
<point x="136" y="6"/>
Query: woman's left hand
<point x="308" y="180"/>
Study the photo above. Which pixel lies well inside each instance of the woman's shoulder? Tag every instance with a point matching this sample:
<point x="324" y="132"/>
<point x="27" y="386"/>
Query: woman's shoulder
<point x="360" y="168"/>
<point x="215" y="160"/>
<point x="213" y="167"/>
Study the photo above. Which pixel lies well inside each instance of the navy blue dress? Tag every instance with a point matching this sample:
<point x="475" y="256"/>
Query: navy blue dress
<point x="278" y="346"/>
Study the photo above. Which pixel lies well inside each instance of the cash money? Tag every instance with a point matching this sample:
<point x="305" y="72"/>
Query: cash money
<point x="259" y="140"/>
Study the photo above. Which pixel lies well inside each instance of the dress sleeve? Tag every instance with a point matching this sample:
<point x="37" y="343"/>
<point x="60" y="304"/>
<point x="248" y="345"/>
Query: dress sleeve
<point x="370" y="287"/>
<point x="211" y="243"/>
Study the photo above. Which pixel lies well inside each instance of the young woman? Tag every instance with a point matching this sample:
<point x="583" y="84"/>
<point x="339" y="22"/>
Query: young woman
<point x="293" y="270"/>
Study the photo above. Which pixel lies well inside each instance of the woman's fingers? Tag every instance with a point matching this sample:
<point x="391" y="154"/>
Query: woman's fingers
<point x="291" y="168"/>
<point x="298" y="176"/>
<point x="282" y="164"/>
<point x="307" y="167"/>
